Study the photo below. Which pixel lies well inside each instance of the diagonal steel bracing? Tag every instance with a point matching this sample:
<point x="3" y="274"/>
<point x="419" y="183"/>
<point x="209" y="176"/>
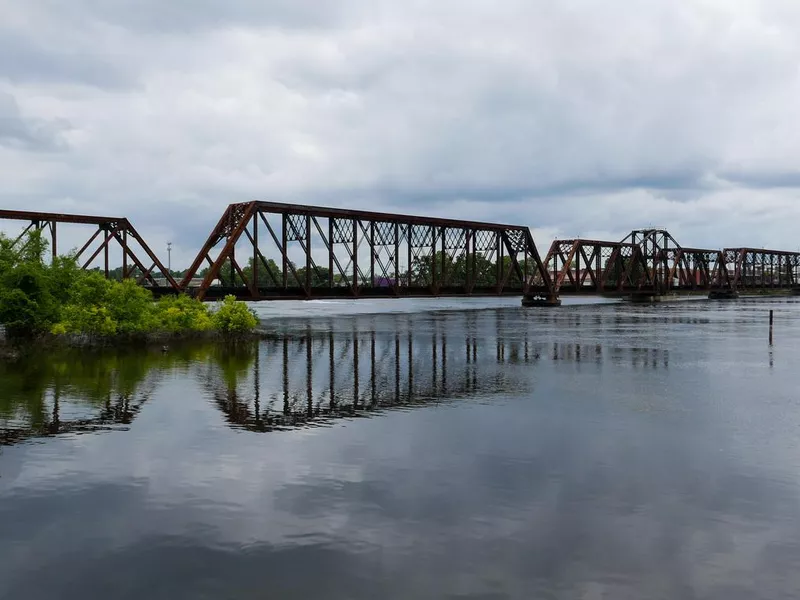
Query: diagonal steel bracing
<point x="267" y="250"/>
<point x="99" y="237"/>
<point x="304" y="252"/>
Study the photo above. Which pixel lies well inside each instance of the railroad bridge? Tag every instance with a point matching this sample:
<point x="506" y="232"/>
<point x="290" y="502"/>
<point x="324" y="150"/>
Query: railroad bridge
<point x="275" y="251"/>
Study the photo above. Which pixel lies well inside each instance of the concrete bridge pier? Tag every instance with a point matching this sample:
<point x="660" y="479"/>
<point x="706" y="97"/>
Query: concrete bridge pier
<point x="645" y="297"/>
<point x="547" y="300"/>
<point x="723" y="295"/>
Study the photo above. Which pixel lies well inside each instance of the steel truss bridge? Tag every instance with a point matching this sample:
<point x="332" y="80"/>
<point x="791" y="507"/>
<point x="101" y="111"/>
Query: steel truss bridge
<point x="274" y="251"/>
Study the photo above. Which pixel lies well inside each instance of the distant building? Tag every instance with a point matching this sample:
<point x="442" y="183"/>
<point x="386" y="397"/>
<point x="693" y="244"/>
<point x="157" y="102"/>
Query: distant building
<point x="195" y="282"/>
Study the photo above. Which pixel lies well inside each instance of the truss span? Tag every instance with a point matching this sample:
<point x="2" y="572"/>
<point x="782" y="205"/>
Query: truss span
<point x="274" y="251"/>
<point x="266" y="250"/>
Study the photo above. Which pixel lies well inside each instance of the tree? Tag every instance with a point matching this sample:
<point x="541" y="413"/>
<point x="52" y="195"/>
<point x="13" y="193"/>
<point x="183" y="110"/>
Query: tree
<point x="61" y="298"/>
<point x="29" y="291"/>
<point x="234" y="317"/>
<point x="477" y="269"/>
<point x="264" y="278"/>
<point x="319" y="276"/>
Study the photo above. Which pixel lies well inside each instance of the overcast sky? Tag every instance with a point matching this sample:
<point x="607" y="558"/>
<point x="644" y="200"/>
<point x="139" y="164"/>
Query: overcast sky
<point x="576" y="117"/>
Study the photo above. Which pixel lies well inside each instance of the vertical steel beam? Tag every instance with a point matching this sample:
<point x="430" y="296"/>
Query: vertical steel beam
<point x="256" y="260"/>
<point x="284" y="253"/>
<point x="53" y="239"/>
<point x="410" y="240"/>
<point x="105" y="252"/>
<point x="356" y="282"/>
<point x="308" y="255"/>
<point x="331" y="250"/>
<point x="372" y="253"/>
<point x="397" y="259"/>
<point x="434" y="278"/>
<point x="443" y="277"/>
<point x="125" y="251"/>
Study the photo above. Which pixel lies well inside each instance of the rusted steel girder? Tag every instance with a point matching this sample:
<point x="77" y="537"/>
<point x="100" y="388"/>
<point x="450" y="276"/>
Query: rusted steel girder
<point x="595" y="267"/>
<point x="652" y="261"/>
<point x="111" y="231"/>
<point x="692" y="269"/>
<point x="306" y="252"/>
<point x="757" y="268"/>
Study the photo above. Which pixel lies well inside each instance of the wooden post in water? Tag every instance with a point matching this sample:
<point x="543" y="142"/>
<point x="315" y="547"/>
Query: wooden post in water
<point x="771" y="320"/>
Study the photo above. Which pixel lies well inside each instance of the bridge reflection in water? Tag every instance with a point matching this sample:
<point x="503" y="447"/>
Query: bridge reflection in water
<point x="313" y="375"/>
<point x="311" y="372"/>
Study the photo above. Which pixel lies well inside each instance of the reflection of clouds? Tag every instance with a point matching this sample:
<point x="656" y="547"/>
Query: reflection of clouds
<point x="567" y="489"/>
<point x="544" y="506"/>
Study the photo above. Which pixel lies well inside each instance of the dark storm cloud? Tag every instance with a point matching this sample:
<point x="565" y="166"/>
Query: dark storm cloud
<point x="17" y="132"/>
<point x="764" y="179"/>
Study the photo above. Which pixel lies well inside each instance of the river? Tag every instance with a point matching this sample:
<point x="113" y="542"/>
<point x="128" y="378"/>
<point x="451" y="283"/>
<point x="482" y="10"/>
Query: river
<point x="410" y="449"/>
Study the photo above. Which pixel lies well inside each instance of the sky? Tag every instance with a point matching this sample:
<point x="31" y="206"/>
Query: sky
<point x="576" y="118"/>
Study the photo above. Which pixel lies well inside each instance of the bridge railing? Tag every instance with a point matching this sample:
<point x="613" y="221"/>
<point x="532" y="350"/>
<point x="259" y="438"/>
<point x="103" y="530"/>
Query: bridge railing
<point x="263" y="250"/>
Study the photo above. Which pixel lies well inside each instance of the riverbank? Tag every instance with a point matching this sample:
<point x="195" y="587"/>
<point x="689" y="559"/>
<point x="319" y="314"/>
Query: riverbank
<point x="14" y="349"/>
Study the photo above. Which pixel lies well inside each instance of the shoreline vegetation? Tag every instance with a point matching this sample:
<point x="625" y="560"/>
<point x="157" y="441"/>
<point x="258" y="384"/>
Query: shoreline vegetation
<point x="57" y="303"/>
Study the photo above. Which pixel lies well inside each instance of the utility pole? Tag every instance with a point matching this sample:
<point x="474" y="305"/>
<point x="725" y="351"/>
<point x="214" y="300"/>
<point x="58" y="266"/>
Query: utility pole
<point x="169" y="257"/>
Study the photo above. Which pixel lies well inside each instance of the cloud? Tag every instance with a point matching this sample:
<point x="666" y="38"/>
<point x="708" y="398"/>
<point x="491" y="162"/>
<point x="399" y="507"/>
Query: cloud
<point x="624" y="114"/>
<point x="148" y="16"/>
<point x="20" y="133"/>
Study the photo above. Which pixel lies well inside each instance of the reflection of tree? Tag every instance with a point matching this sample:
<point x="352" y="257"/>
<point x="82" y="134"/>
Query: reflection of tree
<point x="108" y="387"/>
<point x="234" y="361"/>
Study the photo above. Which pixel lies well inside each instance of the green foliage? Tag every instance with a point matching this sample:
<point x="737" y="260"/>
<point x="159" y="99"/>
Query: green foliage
<point x="480" y="270"/>
<point x="20" y="314"/>
<point x="87" y="311"/>
<point x="175" y="314"/>
<point x="94" y="384"/>
<point x="92" y="320"/>
<point x="234" y="317"/>
<point x="235" y="361"/>
<point x="264" y="278"/>
<point x="61" y="298"/>
<point x="131" y="307"/>
<point x="28" y="294"/>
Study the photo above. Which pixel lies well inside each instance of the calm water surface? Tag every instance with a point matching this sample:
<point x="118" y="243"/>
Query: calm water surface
<point x="595" y="451"/>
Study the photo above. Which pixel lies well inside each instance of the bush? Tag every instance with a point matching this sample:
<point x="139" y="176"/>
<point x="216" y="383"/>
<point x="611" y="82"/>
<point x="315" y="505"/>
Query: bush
<point x="99" y="307"/>
<point x="234" y="317"/>
<point x="86" y="310"/>
<point x="131" y="307"/>
<point x="175" y="314"/>
<point x="62" y="298"/>
<point x="92" y="320"/>
<point x="20" y="314"/>
<point x="28" y="304"/>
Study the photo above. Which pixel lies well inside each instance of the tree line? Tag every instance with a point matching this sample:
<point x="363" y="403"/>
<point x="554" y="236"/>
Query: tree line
<point x="478" y="270"/>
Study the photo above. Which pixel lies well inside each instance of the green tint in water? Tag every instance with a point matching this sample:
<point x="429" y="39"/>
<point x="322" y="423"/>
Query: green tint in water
<point x="97" y="388"/>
